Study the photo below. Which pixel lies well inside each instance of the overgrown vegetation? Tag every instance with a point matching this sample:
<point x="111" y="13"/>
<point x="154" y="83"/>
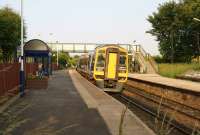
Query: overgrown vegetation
<point x="163" y="128"/>
<point x="65" y="60"/>
<point x="173" y="70"/>
<point x="176" y="30"/>
<point x="196" y="131"/>
<point x="122" y="119"/>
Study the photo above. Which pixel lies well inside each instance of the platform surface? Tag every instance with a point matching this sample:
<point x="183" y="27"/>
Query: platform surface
<point x="59" y="110"/>
<point x="109" y="108"/>
<point x="177" y="83"/>
<point x="70" y="106"/>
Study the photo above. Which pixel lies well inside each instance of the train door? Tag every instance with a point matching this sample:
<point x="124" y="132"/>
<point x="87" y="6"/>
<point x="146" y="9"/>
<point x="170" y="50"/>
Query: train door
<point x="112" y="63"/>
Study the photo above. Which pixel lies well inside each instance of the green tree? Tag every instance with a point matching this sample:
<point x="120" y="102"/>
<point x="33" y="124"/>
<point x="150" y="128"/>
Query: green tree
<point x="10" y="31"/>
<point x="64" y="59"/>
<point x="74" y="60"/>
<point x="54" y="57"/>
<point x="175" y="30"/>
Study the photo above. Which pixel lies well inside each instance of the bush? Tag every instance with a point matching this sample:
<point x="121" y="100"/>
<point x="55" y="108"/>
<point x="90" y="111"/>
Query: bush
<point x="159" y="59"/>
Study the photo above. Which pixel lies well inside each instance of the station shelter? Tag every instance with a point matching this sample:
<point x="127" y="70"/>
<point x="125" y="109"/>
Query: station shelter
<point x="38" y="52"/>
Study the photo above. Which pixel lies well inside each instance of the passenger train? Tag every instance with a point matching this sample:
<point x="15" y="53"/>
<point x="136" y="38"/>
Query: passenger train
<point x="107" y="66"/>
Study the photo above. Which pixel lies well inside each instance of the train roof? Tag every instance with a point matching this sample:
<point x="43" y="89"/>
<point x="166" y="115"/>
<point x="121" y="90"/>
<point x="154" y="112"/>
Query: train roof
<point x="108" y="45"/>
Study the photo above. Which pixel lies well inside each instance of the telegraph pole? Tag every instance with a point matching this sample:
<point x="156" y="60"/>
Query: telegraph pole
<point x="22" y="77"/>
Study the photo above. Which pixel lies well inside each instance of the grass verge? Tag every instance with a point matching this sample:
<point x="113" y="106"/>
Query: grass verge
<point x="173" y="70"/>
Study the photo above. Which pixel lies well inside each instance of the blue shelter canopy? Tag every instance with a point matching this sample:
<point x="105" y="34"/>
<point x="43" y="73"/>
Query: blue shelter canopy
<point x="38" y="49"/>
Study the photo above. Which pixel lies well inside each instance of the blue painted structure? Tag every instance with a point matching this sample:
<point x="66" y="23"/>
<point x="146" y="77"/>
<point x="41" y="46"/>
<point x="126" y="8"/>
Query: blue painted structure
<point x="39" y="51"/>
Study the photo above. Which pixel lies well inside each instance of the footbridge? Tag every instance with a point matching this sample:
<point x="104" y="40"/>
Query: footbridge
<point x="139" y="58"/>
<point x="83" y="47"/>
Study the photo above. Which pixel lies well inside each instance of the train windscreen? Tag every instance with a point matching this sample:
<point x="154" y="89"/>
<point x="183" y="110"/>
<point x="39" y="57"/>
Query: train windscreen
<point x="122" y="60"/>
<point x="101" y="60"/>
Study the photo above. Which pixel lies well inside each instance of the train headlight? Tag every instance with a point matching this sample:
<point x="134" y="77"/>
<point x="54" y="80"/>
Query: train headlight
<point x="99" y="76"/>
<point x="122" y="78"/>
<point x="122" y="70"/>
<point x="100" y="69"/>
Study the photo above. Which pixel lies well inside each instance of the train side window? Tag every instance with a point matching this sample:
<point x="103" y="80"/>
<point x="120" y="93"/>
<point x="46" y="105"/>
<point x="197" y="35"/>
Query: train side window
<point x="92" y="65"/>
<point x="88" y="63"/>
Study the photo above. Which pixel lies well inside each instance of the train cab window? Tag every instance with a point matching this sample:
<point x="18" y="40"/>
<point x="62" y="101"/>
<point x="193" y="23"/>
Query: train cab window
<point x="122" y="60"/>
<point x="101" y="60"/>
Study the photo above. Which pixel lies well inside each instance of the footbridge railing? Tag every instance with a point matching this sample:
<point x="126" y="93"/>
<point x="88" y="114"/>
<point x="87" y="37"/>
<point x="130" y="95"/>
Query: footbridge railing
<point x="146" y="61"/>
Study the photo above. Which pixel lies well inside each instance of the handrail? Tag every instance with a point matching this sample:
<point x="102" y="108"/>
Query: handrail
<point x="146" y="57"/>
<point x="152" y="62"/>
<point x="140" y="56"/>
<point x="141" y="61"/>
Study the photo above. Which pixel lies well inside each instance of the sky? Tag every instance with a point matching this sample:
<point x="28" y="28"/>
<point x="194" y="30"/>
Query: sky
<point x="93" y="21"/>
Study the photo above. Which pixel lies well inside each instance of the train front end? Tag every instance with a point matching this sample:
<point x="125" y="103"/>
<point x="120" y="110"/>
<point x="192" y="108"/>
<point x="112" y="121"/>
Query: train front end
<point x="111" y="67"/>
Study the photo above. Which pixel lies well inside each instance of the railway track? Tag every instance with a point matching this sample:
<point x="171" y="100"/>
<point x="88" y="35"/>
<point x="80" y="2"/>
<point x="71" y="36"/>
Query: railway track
<point x="127" y="101"/>
<point x="180" y="127"/>
<point x="149" y="103"/>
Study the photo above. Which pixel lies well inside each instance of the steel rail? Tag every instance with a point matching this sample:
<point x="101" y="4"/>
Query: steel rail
<point x="145" y="109"/>
<point x="167" y="105"/>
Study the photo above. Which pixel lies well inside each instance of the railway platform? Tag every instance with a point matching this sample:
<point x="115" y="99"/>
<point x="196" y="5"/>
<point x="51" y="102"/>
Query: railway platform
<point x="178" y="97"/>
<point x="109" y="108"/>
<point x="176" y="83"/>
<point x="69" y="106"/>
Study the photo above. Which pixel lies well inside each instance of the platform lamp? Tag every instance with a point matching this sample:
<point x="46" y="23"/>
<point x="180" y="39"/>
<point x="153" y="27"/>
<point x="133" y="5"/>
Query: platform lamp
<point x="57" y="53"/>
<point x="22" y="76"/>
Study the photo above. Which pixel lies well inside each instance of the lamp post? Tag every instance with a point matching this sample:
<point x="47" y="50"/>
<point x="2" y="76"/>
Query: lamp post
<point x="57" y="52"/>
<point x="22" y="77"/>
